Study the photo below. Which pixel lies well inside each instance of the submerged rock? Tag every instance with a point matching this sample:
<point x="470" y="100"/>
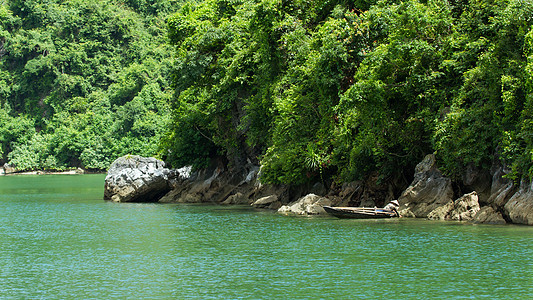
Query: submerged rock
<point x="308" y="205"/>
<point x="133" y="178"/>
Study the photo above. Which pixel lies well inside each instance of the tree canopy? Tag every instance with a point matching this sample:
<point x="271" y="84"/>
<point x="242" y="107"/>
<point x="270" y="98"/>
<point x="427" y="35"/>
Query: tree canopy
<point x="310" y="90"/>
<point x="82" y="82"/>
<point x="339" y="89"/>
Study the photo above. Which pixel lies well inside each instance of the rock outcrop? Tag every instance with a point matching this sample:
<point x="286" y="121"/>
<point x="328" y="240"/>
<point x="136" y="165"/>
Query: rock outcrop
<point x="428" y="191"/>
<point x="9" y="169"/>
<point x="495" y="200"/>
<point x="308" y="205"/>
<point x="270" y="202"/>
<point x="215" y="185"/>
<point x="236" y="199"/>
<point x="488" y="215"/>
<point x="462" y="209"/>
<point x="430" y="195"/>
<point x="519" y="209"/>
<point x="134" y="178"/>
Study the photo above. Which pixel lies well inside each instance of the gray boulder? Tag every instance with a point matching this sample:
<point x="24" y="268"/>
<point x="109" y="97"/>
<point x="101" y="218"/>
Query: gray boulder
<point x="133" y="178"/>
<point x="488" y="215"/>
<point x="428" y="191"/>
<point x="308" y="205"/>
<point x="9" y="169"/>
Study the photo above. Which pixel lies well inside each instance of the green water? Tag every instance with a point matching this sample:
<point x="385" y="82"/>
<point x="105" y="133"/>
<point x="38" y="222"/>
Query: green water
<point x="59" y="240"/>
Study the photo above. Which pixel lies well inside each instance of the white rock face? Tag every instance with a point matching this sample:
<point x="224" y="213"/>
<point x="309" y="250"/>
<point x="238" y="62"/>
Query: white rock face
<point x="134" y="178"/>
<point x="308" y="205"/>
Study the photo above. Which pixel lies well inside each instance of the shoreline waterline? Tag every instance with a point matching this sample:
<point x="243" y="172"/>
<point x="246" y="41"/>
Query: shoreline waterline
<point x="77" y="171"/>
<point x="60" y="240"/>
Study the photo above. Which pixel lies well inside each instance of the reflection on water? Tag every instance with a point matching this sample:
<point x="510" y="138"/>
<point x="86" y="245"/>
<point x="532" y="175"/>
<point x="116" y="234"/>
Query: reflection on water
<point x="60" y="240"/>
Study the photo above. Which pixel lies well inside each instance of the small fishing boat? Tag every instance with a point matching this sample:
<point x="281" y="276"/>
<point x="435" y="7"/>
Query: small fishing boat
<point x="360" y="212"/>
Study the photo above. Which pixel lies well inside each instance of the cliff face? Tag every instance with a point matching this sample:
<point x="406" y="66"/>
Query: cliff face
<point x="487" y="199"/>
<point x="491" y="198"/>
<point x="519" y="209"/>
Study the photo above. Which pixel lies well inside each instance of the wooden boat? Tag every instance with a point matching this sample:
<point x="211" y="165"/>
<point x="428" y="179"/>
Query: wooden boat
<point x="360" y="212"/>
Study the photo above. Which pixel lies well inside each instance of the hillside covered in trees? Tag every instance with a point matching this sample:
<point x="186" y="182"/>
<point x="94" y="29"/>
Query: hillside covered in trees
<point x="340" y="89"/>
<point x="311" y="90"/>
<point x="82" y="82"/>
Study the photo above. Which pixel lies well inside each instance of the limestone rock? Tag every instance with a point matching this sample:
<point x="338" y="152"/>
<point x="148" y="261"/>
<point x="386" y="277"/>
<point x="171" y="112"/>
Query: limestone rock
<point x="367" y="203"/>
<point x="479" y="180"/>
<point x="253" y="172"/>
<point x="271" y="202"/>
<point x="308" y="205"/>
<point x="465" y="208"/>
<point x="265" y="201"/>
<point x="134" y="178"/>
<point x="215" y="184"/>
<point x="519" y="209"/>
<point x="318" y="189"/>
<point x="9" y="169"/>
<point x="502" y="195"/>
<point x="351" y="189"/>
<point x="462" y="209"/>
<point x="488" y="215"/>
<point x="428" y="191"/>
<point x="441" y="212"/>
<point x="502" y="189"/>
<point x="499" y="180"/>
<point x="237" y="198"/>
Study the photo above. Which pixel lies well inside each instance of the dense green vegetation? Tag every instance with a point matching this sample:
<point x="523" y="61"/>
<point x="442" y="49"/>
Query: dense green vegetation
<point x="311" y="90"/>
<point x="339" y="89"/>
<point x="82" y="82"/>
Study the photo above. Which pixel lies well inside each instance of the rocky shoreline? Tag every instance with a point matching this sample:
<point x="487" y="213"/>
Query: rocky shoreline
<point x="481" y="197"/>
<point x="6" y="171"/>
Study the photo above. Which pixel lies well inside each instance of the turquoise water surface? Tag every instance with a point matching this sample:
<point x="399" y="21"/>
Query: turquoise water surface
<point x="60" y="240"/>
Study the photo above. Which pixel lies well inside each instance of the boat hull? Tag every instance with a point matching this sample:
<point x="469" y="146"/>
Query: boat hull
<point x="359" y="213"/>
